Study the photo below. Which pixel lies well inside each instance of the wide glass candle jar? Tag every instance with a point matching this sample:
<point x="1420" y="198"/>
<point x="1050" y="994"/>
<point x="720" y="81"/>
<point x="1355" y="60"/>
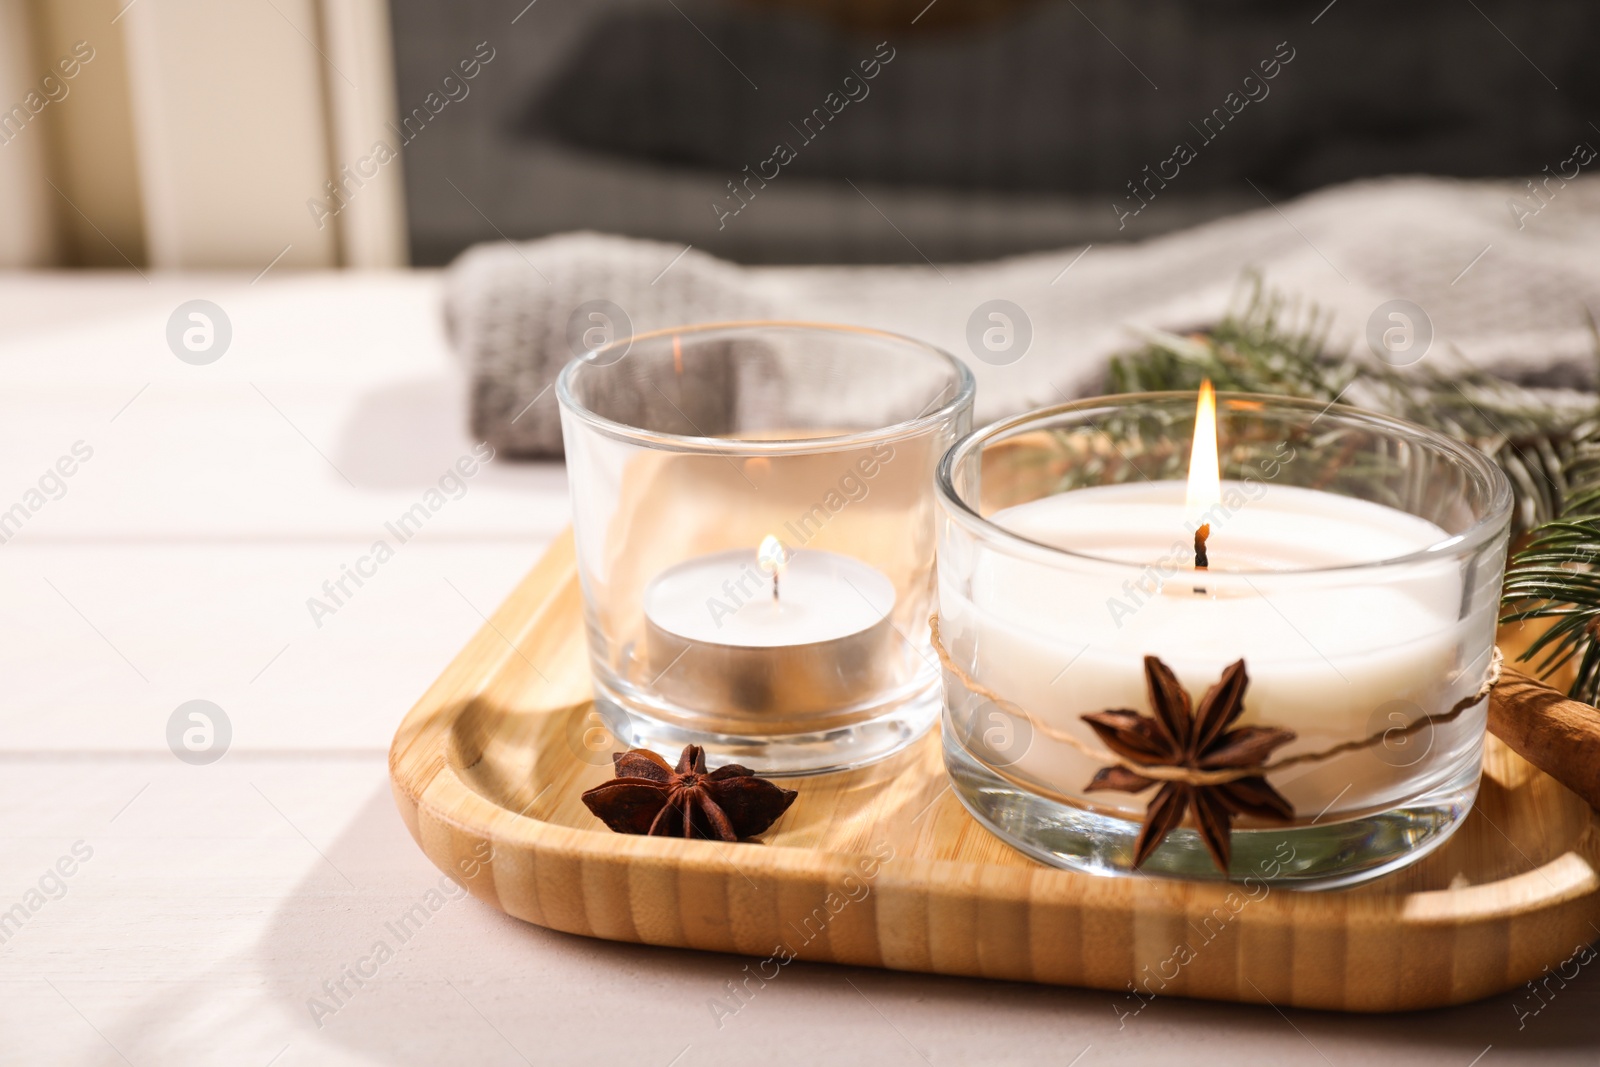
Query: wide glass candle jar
<point x="754" y="517"/>
<point x="1352" y="561"/>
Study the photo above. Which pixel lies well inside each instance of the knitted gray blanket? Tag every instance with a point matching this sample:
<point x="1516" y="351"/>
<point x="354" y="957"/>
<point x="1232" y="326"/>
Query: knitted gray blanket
<point x="1503" y="273"/>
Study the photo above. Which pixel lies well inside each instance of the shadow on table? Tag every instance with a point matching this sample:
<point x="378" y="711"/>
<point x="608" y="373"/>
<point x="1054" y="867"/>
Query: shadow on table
<point x="404" y="968"/>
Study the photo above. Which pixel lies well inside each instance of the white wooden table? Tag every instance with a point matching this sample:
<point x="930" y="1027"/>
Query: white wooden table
<point x="207" y="904"/>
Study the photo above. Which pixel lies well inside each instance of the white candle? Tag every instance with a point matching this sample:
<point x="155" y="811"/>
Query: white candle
<point x="1329" y="657"/>
<point x="725" y="598"/>
<point x="739" y="636"/>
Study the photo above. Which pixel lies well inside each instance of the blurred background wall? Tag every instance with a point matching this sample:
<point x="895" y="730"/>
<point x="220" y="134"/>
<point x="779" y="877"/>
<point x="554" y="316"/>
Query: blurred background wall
<point x="205" y="133"/>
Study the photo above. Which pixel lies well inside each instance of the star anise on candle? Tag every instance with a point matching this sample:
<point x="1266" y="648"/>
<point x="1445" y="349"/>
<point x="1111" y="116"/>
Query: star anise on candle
<point x="649" y="797"/>
<point x="1199" y="740"/>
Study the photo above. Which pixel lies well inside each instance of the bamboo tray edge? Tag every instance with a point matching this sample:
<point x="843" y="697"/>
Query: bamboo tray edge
<point x="483" y="742"/>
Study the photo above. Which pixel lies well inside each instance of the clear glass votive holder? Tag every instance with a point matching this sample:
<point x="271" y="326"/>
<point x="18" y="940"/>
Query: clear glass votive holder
<point x="754" y="517"/>
<point x="1355" y="563"/>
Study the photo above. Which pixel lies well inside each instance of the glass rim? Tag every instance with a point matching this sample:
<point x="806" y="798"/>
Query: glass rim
<point x="965" y="388"/>
<point x="1496" y="516"/>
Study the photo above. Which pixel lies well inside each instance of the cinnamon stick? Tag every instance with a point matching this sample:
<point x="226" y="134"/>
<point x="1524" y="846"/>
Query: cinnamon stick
<point x="1558" y="735"/>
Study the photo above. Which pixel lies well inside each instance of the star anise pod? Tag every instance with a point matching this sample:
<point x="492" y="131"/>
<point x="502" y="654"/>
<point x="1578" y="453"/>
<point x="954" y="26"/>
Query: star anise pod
<point x="649" y="797"/>
<point x="1201" y="740"/>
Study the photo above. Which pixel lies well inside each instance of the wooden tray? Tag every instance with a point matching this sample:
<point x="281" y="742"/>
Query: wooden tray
<point x="883" y="867"/>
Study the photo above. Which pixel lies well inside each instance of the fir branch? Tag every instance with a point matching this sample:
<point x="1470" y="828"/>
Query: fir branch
<point x="1267" y="343"/>
<point x="1554" y="578"/>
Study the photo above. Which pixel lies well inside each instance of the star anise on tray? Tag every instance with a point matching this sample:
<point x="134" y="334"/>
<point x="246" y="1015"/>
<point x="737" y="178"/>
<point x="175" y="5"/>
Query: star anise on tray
<point x="649" y="797"/>
<point x="1199" y="740"/>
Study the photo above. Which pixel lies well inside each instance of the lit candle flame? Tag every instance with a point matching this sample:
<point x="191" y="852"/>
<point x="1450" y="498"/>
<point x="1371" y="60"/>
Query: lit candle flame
<point x="1205" y="476"/>
<point x="773" y="557"/>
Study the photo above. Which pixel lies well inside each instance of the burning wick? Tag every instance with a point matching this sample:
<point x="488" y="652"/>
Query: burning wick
<point x="772" y="558"/>
<point x="1205" y="474"/>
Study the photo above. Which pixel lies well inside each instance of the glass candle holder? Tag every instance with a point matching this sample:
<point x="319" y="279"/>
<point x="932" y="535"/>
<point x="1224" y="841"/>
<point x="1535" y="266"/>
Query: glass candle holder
<point x="754" y="517"/>
<point x="1355" y="563"/>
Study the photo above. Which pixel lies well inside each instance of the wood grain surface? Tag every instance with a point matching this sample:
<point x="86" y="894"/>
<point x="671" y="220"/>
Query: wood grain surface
<point x="883" y="867"/>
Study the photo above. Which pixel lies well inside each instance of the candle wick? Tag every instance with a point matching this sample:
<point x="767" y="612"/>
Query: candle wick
<point x="774" y="586"/>
<point x="1200" y="561"/>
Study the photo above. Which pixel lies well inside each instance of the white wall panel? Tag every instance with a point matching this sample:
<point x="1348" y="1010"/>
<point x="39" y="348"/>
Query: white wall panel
<point x="27" y="213"/>
<point x="371" y="207"/>
<point x="228" y="105"/>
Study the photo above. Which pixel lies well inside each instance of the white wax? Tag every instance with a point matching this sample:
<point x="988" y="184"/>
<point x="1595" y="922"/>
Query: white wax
<point x="1283" y="528"/>
<point x="724" y="598"/>
<point x="1326" y="653"/>
<point x="1287" y="529"/>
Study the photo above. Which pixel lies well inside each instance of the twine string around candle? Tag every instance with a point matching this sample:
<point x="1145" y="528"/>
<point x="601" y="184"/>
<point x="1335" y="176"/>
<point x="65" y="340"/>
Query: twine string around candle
<point x="1221" y="776"/>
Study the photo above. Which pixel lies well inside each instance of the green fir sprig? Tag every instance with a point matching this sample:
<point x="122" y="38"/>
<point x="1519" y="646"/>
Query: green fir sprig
<point x="1553" y="577"/>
